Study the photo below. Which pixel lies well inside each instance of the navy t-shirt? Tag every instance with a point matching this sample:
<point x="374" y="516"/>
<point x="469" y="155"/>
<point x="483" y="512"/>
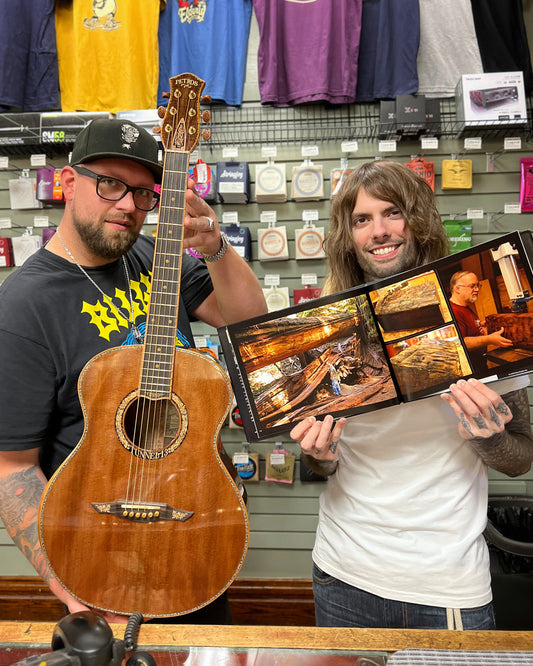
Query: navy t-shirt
<point x="52" y="321"/>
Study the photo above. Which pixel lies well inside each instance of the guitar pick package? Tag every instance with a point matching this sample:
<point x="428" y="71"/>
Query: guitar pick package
<point x="526" y="184"/>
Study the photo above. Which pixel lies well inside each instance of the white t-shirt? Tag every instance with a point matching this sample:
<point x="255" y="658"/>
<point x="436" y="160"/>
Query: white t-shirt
<point x="404" y="513"/>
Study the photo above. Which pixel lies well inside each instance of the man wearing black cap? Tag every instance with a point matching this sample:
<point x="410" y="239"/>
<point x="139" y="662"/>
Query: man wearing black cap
<point x="86" y="291"/>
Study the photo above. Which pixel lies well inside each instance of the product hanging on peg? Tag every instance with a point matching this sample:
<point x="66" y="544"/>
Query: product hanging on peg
<point x="271" y="182"/>
<point x="339" y="175"/>
<point x="310" y="241"/>
<point x="26" y="245"/>
<point x="247" y="464"/>
<point x="280" y="465"/>
<point x="272" y="242"/>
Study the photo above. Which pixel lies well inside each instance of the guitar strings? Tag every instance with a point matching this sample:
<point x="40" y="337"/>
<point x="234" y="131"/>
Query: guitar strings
<point x="151" y="415"/>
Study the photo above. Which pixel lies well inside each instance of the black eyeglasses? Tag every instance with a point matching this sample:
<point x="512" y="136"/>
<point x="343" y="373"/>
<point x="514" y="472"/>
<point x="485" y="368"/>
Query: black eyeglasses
<point x="113" y="189"/>
<point x="476" y="285"/>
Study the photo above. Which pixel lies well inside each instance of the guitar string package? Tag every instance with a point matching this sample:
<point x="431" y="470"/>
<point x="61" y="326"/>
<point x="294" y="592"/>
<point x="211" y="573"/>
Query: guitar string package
<point x="277" y="298"/>
<point x="456" y="175"/>
<point x="310" y="242"/>
<point x="233" y="182"/>
<point x="307" y="182"/>
<point x="271" y="183"/>
<point x="526" y="185"/>
<point x="424" y="169"/>
<point x="205" y="181"/>
<point x="272" y="244"/>
<point x="49" y="190"/>
<point x="24" y="246"/>
<point x="23" y="194"/>
<point x="240" y="239"/>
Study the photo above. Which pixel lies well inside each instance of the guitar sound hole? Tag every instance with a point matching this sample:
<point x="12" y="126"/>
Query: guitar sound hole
<point x="153" y="428"/>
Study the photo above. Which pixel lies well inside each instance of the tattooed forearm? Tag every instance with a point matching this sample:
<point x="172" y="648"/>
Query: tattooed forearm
<point x="321" y="467"/>
<point x="510" y="451"/>
<point x="20" y="494"/>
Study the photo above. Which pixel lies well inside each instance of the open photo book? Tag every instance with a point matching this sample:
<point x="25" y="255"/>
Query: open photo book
<point x="381" y="343"/>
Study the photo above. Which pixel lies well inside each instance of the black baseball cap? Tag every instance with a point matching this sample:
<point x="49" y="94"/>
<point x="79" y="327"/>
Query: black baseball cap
<point x="115" y="137"/>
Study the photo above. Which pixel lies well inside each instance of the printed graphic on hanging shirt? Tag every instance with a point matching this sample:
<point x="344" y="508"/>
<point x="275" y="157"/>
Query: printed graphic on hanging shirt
<point x="107" y="54"/>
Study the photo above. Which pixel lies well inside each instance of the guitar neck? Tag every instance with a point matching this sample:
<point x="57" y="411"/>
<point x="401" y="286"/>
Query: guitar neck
<point x="162" y="319"/>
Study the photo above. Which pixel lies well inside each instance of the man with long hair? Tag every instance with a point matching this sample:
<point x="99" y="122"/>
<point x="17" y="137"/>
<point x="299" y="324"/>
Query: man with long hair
<point x="400" y="532"/>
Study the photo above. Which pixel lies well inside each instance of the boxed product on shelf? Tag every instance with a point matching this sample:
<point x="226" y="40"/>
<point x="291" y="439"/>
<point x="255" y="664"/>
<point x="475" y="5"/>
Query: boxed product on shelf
<point x="411" y="115"/>
<point x="491" y="98"/>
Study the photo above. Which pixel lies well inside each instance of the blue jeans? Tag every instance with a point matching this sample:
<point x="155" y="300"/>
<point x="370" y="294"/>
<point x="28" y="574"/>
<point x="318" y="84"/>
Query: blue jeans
<point x="338" y="604"/>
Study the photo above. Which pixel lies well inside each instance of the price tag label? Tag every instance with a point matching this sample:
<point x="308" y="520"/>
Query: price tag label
<point x="310" y="215"/>
<point x="472" y="143"/>
<point x="5" y="223"/>
<point x="4" y="162"/>
<point x="271" y="280"/>
<point x="151" y="218"/>
<point x="277" y="458"/>
<point x="268" y="216"/>
<point x="269" y="151"/>
<point x="309" y="278"/>
<point x="309" y="151"/>
<point x="474" y="213"/>
<point x="512" y="208"/>
<point x="200" y="340"/>
<point x="230" y="152"/>
<point x="38" y="160"/>
<point x="240" y="458"/>
<point x="349" y="146"/>
<point x="429" y="143"/>
<point x="40" y="221"/>
<point x="231" y="217"/>
<point x="387" y="146"/>
<point x="512" y="143"/>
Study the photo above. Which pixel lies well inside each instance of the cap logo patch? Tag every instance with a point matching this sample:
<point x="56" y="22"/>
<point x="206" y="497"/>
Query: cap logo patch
<point x="130" y="135"/>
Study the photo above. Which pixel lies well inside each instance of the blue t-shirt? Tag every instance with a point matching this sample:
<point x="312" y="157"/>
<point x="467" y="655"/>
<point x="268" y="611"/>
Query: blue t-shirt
<point x="208" y="38"/>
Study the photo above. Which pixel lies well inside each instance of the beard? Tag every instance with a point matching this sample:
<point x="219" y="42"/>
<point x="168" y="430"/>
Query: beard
<point x="374" y="269"/>
<point x="103" y="242"/>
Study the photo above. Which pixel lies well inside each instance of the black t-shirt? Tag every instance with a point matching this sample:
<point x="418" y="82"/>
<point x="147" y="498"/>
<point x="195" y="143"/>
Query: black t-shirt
<point x="52" y="321"/>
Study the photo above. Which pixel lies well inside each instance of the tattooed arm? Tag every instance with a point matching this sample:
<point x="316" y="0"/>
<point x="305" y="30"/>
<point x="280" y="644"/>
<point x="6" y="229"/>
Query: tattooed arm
<point x="21" y="486"/>
<point x="319" y="441"/>
<point x="498" y="427"/>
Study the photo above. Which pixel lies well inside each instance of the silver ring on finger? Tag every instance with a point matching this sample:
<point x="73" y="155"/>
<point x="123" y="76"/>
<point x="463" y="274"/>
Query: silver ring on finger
<point x="211" y="223"/>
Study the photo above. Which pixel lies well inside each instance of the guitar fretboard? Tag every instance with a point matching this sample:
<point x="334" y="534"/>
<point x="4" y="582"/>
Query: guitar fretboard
<point x="162" y="319"/>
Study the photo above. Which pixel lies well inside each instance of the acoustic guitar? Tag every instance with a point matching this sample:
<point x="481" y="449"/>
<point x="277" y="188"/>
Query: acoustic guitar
<point x="143" y="516"/>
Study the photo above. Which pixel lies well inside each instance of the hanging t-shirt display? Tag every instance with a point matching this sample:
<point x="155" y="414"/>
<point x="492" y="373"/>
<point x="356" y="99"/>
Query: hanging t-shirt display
<point x="387" y="52"/>
<point x="107" y="54"/>
<point x="307" y="50"/>
<point x="502" y="37"/>
<point x="28" y="56"/>
<point x="446" y="53"/>
<point x="209" y="38"/>
<point x="526" y="184"/>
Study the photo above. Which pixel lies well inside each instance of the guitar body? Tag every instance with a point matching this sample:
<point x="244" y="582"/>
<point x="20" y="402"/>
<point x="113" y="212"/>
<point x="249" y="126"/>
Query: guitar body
<point x="143" y="515"/>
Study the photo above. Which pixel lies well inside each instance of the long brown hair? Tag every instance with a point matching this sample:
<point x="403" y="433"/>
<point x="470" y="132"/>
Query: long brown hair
<point x="397" y="184"/>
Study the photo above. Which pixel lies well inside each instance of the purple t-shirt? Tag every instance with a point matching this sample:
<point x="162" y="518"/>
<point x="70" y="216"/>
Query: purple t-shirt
<point x="308" y="50"/>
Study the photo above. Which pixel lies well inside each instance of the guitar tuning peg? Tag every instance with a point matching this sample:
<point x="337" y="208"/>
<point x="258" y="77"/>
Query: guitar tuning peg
<point x="205" y="99"/>
<point x="206" y="116"/>
<point x="166" y="95"/>
<point x="206" y="134"/>
<point x="161" y="110"/>
<point x="156" y="130"/>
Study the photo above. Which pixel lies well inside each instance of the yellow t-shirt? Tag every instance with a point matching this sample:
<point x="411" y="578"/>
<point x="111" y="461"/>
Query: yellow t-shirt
<point x="108" y="54"/>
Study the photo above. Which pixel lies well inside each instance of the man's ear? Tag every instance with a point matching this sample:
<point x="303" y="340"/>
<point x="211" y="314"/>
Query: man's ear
<point x="68" y="177"/>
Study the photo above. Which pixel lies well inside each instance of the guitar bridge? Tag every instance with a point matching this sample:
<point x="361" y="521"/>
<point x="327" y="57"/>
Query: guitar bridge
<point x="142" y="512"/>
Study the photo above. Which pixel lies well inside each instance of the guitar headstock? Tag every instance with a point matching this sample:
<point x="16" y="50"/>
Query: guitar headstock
<point x="180" y="129"/>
